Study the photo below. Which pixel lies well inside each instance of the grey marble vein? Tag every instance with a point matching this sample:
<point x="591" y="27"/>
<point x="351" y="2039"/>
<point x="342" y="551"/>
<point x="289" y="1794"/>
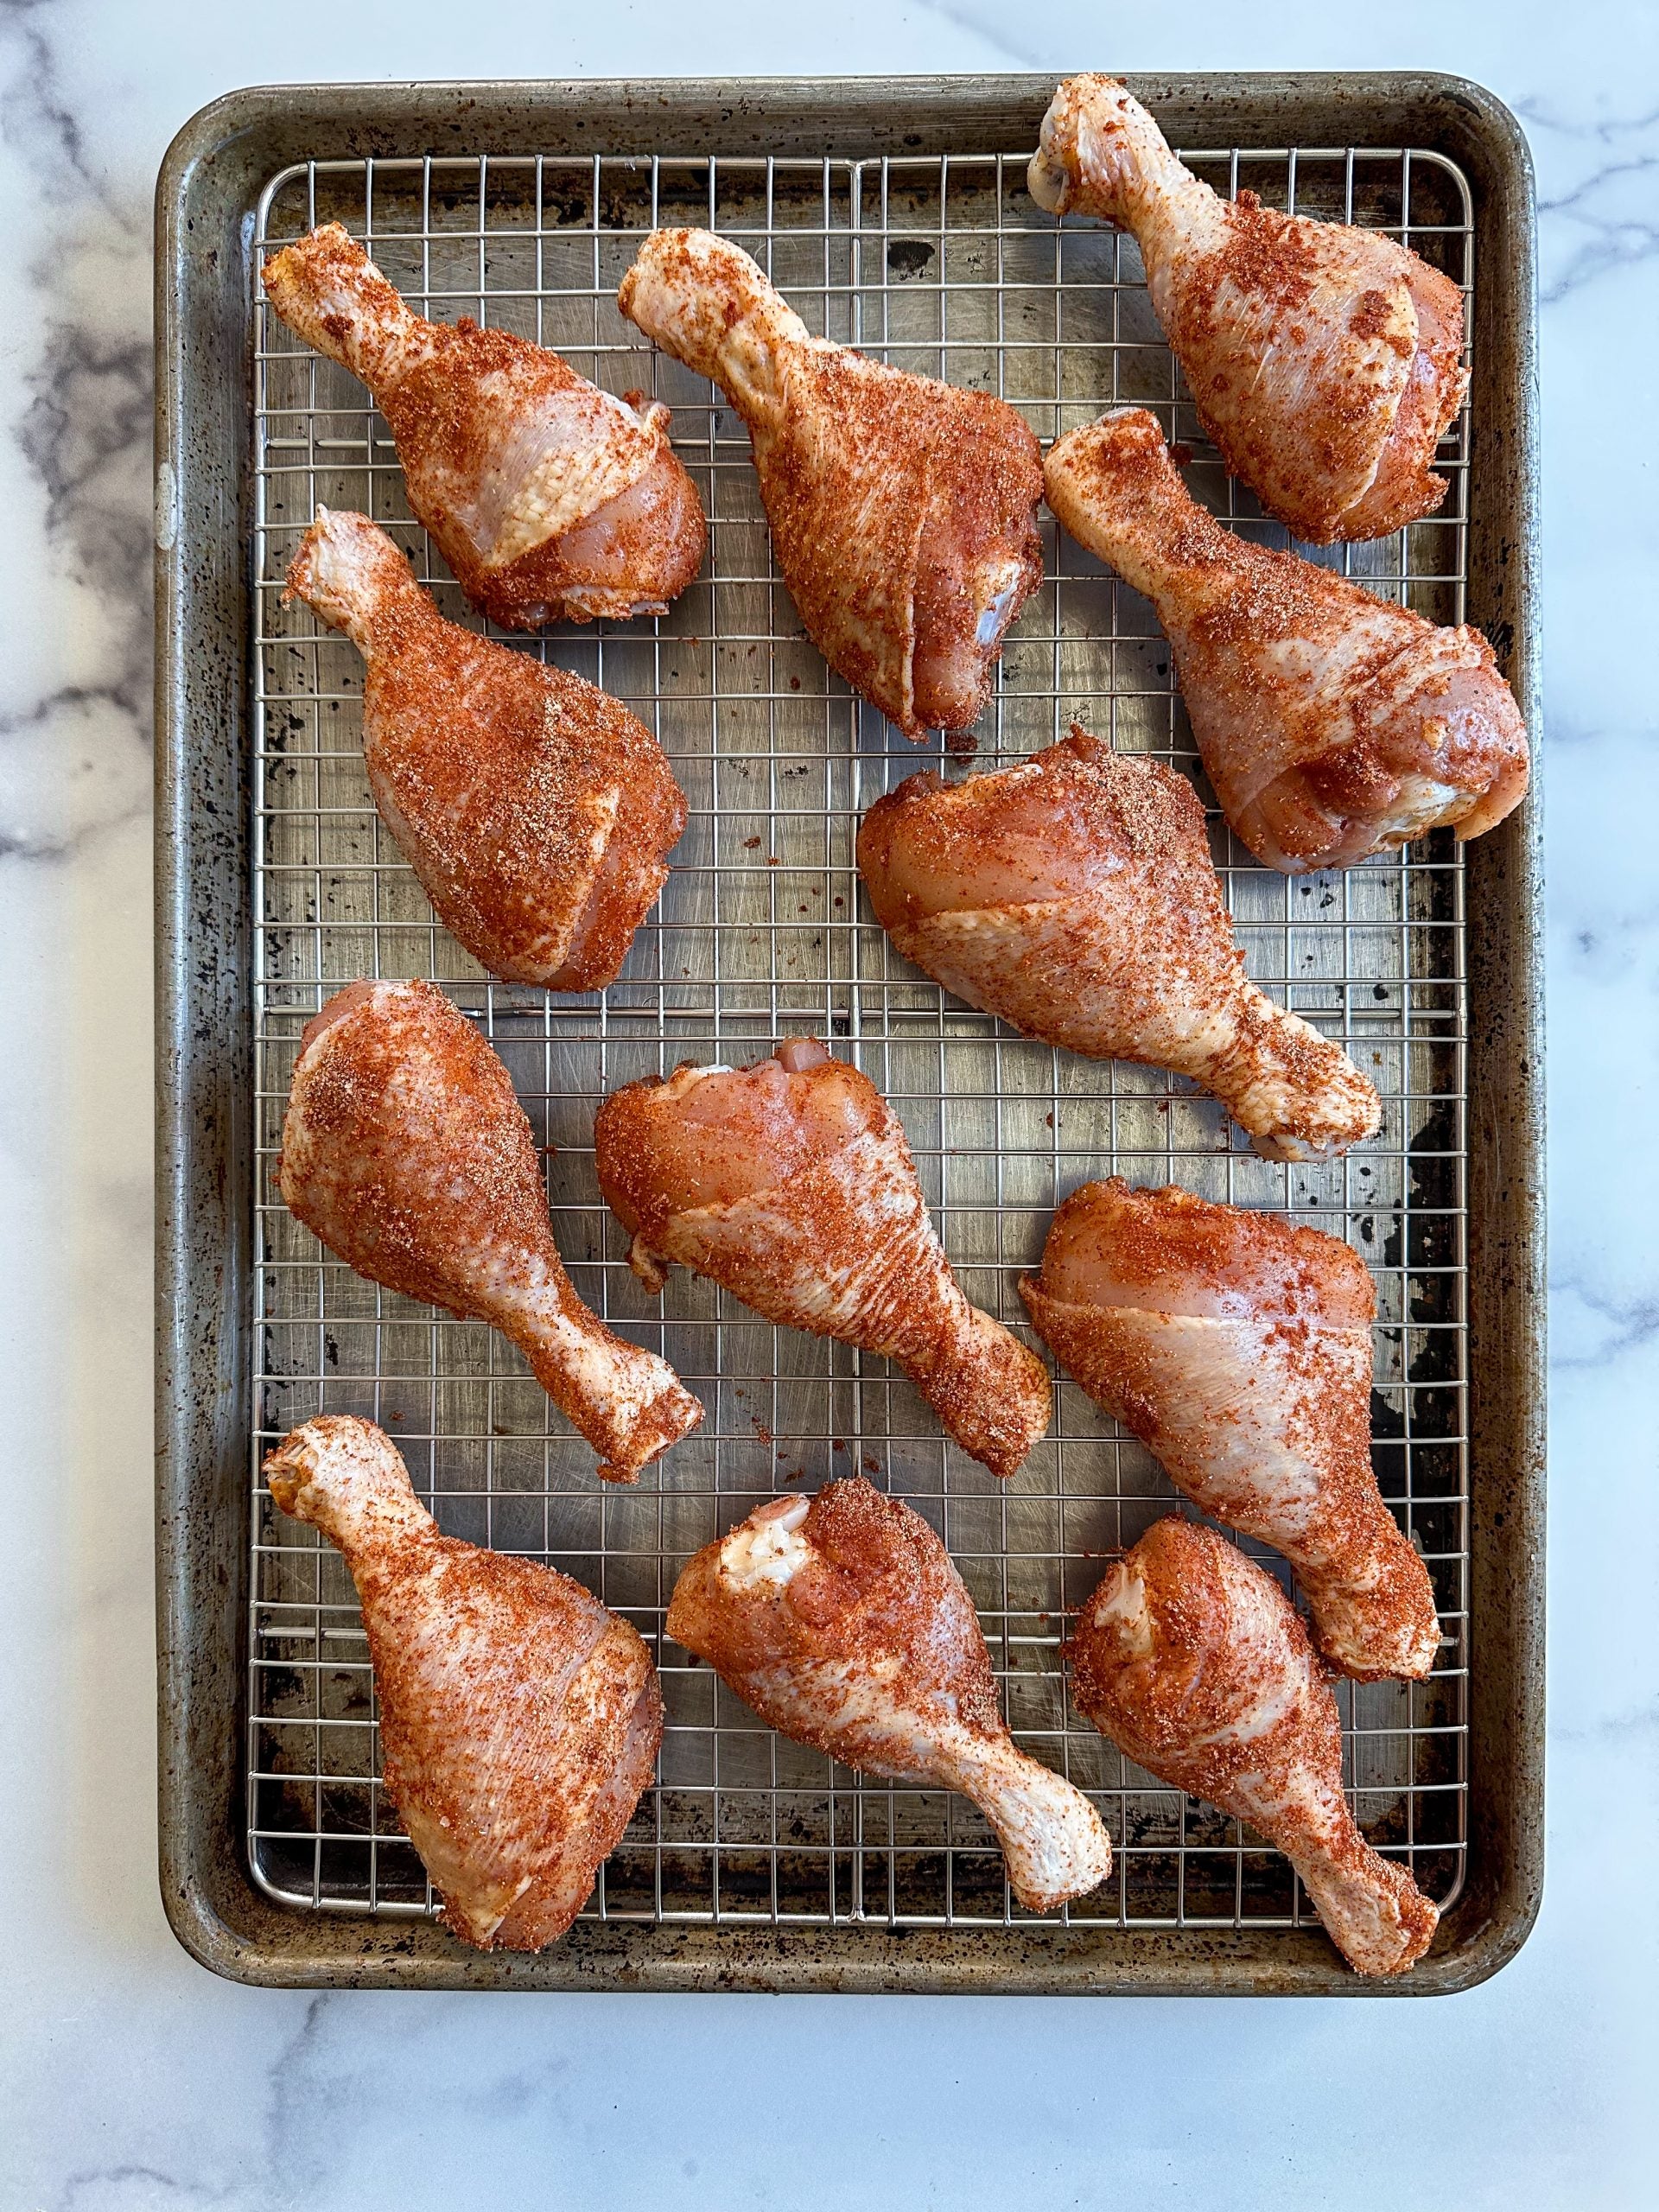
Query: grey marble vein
<point x="75" y="710"/>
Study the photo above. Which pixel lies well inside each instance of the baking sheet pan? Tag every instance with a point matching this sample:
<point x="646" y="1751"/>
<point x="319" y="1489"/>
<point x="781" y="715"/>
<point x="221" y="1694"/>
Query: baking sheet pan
<point x="896" y="218"/>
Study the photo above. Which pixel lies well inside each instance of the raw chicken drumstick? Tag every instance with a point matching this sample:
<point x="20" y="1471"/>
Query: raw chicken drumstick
<point x="903" y="510"/>
<point x="536" y="811"/>
<point x="1194" y="1662"/>
<point x="1326" y="362"/>
<point x="1075" y="896"/>
<point x="406" y="1152"/>
<point x="547" y="497"/>
<point x="1333" y="724"/>
<point x="1238" y="1349"/>
<point x="790" y="1185"/>
<point x="842" y="1622"/>
<point x="519" y="1720"/>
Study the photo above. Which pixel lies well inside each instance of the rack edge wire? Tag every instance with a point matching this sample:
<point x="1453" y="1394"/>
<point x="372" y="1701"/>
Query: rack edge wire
<point x="456" y="232"/>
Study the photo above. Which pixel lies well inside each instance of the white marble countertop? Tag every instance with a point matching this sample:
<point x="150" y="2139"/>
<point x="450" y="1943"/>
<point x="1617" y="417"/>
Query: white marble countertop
<point x="132" y="2079"/>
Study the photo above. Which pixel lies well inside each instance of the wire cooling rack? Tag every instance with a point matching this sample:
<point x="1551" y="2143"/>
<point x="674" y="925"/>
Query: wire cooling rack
<point x="944" y="266"/>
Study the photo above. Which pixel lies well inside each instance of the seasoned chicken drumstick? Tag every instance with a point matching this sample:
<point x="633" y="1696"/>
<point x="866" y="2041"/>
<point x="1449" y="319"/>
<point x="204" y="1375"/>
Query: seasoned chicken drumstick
<point x="1331" y="724"/>
<point x="842" y="1622"/>
<point x="406" y="1152"/>
<point x="547" y="495"/>
<point x="1193" y="1662"/>
<point x="1326" y="362"/>
<point x="1238" y="1349"/>
<point x="903" y="510"/>
<point x="1075" y="896"/>
<point x="519" y="1720"/>
<point x="790" y="1185"/>
<point x="536" y="811"/>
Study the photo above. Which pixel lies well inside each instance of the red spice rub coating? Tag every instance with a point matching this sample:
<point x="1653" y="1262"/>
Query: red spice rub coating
<point x="536" y="810"/>
<point x="519" y="1720"/>
<point x="795" y="1190"/>
<point x="1238" y="1349"/>
<point x="405" y="1150"/>
<point x="1333" y="724"/>
<point x="1075" y="896"/>
<point x="1325" y="360"/>
<point x="1354" y="423"/>
<point x="846" y="1626"/>
<point x="903" y="510"/>
<point x="548" y="497"/>
<point x="1195" y="1664"/>
<point x="880" y="1592"/>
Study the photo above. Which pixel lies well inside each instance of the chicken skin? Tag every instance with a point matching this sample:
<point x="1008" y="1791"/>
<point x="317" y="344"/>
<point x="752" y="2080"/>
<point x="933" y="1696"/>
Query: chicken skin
<point x="520" y="1719"/>
<point x="548" y="497"/>
<point x="1238" y="1349"/>
<point x="842" y="1622"/>
<point x="406" y="1152"/>
<point x="903" y="511"/>
<point x="1194" y="1662"/>
<point x="1326" y="362"/>
<point x="1074" y="895"/>
<point x="536" y="811"/>
<point x="790" y="1185"/>
<point x="1333" y="724"/>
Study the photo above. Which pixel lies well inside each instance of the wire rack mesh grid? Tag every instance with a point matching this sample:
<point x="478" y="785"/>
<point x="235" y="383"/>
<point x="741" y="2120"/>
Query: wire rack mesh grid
<point x="946" y="266"/>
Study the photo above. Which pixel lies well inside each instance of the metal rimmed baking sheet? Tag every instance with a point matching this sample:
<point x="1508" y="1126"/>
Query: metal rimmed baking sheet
<point x="753" y="1860"/>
